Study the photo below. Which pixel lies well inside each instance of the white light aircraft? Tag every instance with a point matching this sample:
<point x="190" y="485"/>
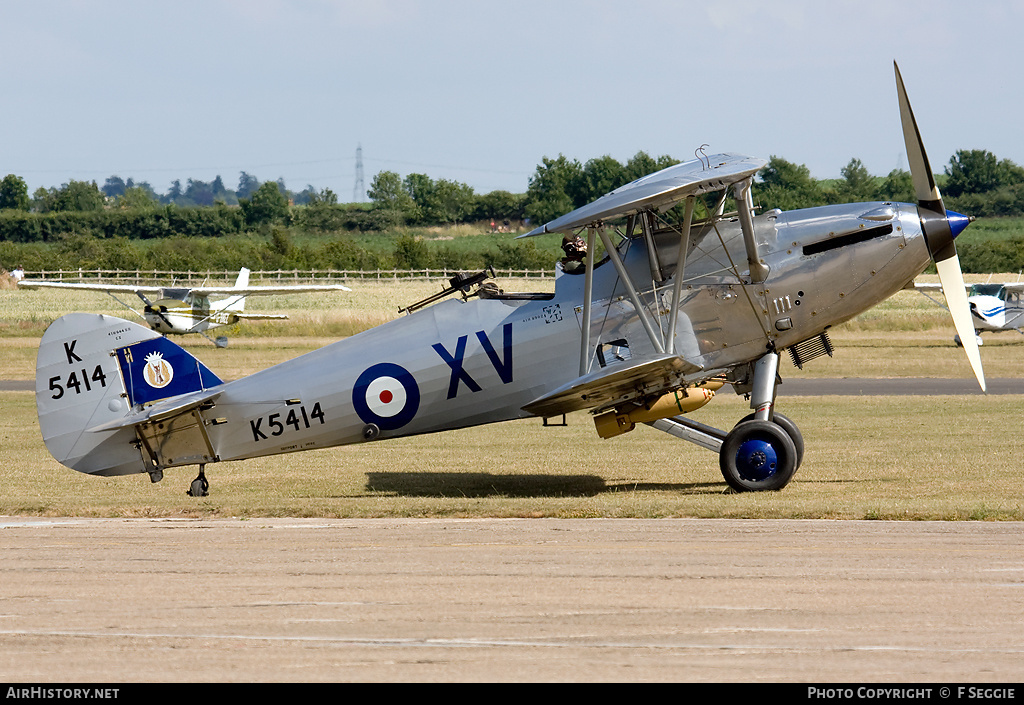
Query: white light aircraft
<point x="995" y="306"/>
<point x="674" y="310"/>
<point x="184" y="310"/>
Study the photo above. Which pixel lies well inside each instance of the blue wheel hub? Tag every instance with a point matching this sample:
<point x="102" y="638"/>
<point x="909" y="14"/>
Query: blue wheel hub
<point x="756" y="460"/>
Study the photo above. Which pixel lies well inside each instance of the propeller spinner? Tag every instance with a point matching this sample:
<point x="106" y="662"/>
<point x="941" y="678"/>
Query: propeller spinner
<point x="940" y="229"/>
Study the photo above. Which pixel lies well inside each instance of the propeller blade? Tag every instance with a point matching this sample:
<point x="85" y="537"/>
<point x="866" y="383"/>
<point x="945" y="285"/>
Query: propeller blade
<point x="940" y="228"/>
<point x="952" y="281"/>
<point x="154" y="309"/>
<point x="920" y="169"/>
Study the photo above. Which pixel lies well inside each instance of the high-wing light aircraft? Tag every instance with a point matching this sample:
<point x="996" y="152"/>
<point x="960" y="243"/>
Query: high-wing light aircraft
<point x="182" y="310"/>
<point x="994" y="306"/>
<point x="670" y="313"/>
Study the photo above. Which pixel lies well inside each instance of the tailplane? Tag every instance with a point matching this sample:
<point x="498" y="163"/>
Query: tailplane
<point x="95" y="372"/>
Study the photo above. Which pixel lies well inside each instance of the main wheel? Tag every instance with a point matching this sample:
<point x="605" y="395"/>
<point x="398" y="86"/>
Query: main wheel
<point x="789" y="427"/>
<point x="758" y="456"/>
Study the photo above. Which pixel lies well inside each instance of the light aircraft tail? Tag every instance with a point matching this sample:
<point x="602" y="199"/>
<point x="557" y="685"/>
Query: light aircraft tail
<point x="237" y="303"/>
<point x="96" y="377"/>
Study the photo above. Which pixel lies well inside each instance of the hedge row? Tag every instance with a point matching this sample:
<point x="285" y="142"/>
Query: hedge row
<point x="992" y="256"/>
<point x="277" y="250"/>
<point x="218" y="221"/>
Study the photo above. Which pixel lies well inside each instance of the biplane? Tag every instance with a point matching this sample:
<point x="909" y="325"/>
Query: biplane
<point x="673" y="311"/>
<point x="178" y="310"/>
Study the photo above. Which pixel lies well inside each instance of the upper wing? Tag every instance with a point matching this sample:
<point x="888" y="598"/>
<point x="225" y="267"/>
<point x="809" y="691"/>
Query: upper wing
<point x="659" y="190"/>
<point x="638" y="376"/>
<point x="130" y="288"/>
<point x="258" y="290"/>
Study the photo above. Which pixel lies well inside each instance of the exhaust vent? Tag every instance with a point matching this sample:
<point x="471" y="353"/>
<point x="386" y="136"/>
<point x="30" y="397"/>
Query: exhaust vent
<point x="810" y="349"/>
<point x="847" y="239"/>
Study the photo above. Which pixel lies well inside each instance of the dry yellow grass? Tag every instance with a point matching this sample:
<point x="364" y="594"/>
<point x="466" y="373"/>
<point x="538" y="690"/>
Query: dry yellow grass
<point x="887" y="458"/>
<point x="906" y="336"/>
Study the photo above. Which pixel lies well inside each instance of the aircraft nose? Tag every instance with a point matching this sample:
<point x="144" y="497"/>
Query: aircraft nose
<point x="958" y="222"/>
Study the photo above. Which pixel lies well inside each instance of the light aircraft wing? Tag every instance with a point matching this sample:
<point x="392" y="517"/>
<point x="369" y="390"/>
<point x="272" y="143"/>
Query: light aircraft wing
<point x="659" y="190"/>
<point x="264" y="290"/>
<point x="931" y="286"/>
<point x="197" y="290"/>
<point x="926" y="286"/>
<point x="640" y="375"/>
<point x="126" y="288"/>
<point x="262" y="316"/>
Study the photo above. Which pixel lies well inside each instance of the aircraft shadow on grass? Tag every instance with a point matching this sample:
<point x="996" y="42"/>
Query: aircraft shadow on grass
<point x="459" y="484"/>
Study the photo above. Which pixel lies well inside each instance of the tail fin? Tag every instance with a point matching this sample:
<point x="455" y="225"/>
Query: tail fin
<point x="94" y="370"/>
<point x="237" y="304"/>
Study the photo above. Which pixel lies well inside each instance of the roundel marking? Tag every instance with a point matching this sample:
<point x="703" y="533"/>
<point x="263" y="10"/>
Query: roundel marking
<point x="386" y="395"/>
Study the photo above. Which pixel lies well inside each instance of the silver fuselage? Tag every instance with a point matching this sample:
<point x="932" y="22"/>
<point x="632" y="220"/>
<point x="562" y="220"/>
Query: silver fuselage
<point x="468" y="362"/>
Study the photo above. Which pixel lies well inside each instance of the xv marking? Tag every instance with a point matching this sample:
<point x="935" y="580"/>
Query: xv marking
<point x="502" y="365"/>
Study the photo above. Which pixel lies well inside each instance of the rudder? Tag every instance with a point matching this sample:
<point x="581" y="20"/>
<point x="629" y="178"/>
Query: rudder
<point x="237" y="304"/>
<point x="90" y="371"/>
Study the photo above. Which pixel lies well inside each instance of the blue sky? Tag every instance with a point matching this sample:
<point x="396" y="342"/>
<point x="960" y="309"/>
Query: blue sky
<point x="479" y="92"/>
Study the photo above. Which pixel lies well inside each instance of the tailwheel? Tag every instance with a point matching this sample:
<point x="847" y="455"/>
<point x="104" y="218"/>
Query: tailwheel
<point x="758" y="456"/>
<point x="199" y="487"/>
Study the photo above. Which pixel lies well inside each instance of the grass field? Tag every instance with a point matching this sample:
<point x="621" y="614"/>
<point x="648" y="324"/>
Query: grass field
<point x="882" y="458"/>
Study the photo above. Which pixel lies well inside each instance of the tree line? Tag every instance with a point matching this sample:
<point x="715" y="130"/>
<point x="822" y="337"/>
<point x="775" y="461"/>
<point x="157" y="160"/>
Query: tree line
<point x="264" y="219"/>
<point x="977" y="179"/>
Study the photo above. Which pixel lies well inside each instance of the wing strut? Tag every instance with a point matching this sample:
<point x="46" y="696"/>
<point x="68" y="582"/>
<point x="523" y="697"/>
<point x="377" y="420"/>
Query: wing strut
<point x="225" y="303"/>
<point x="588" y="295"/>
<point x="620" y="268"/>
<point x="648" y="225"/>
<point x="745" y="206"/>
<point x="677" y="288"/>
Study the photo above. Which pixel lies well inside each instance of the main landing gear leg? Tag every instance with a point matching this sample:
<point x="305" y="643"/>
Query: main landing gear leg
<point x="199" y="487"/>
<point x="761" y="452"/>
